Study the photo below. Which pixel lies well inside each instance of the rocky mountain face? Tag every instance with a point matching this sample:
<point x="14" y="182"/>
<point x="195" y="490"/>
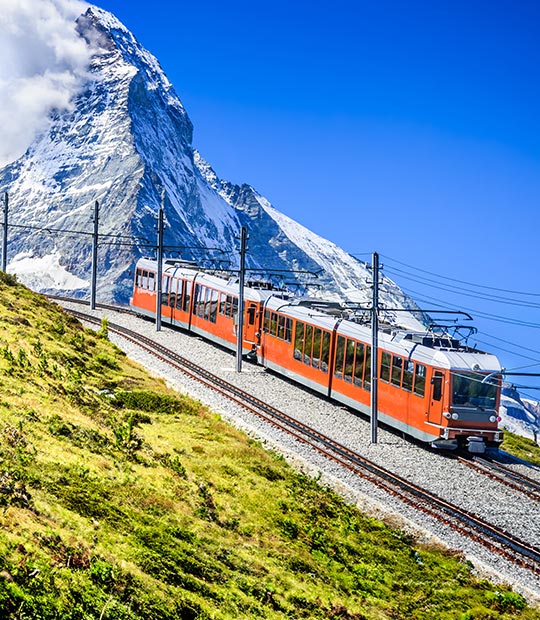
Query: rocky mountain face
<point x="127" y="143"/>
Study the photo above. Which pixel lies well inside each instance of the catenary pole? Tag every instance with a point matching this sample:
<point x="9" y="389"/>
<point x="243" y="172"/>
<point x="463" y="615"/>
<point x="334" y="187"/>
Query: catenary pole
<point x="159" y="263"/>
<point x="374" y="348"/>
<point x="5" y="233"/>
<point x="93" y="279"/>
<point x="240" y="326"/>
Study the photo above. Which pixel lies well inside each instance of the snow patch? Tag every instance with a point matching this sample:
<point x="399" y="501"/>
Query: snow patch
<point x="45" y="272"/>
<point x="517" y="419"/>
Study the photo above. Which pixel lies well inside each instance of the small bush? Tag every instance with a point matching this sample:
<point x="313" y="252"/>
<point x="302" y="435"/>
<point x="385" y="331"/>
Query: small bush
<point x="150" y="402"/>
<point x="106" y="361"/>
<point x="507" y="601"/>
<point x="9" y="279"/>
<point x="103" y="332"/>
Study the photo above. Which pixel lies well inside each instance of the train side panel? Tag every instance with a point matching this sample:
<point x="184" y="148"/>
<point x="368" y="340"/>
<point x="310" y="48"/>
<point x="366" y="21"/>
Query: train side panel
<point x="296" y="349"/>
<point x="197" y="306"/>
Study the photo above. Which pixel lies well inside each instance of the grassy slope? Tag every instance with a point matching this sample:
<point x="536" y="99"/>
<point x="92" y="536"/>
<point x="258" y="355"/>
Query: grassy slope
<point x="122" y="500"/>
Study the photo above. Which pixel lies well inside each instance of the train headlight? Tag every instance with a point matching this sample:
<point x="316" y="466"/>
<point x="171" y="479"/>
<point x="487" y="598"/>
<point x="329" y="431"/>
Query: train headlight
<point x="492" y="418"/>
<point x="446" y="415"/>
<point x="455" y="416"/>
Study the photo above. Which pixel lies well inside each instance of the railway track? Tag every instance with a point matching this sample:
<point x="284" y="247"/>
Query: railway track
<point x="504" y="475"/>
<point x="468" y="524"/>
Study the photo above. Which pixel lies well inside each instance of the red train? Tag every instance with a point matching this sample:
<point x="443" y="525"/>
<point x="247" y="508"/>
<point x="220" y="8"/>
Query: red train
<point x="431" y="387"/>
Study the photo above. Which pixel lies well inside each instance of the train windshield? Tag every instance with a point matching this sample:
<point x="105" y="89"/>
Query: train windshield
<point x="469" y="391"/>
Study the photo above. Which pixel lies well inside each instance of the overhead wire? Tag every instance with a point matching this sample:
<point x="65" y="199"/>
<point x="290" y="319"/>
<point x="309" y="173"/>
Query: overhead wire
<point x="418" y="296"/>
<point x="493" y="288"/>
<point x="467" y="292"/>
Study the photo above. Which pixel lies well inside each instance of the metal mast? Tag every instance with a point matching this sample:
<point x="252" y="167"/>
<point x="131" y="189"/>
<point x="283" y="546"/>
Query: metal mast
<point x="159" y="263"/>
<point x="240" y="327"/>
<point x="374" y="348"/>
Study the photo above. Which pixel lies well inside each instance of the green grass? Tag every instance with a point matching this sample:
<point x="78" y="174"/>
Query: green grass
<point x="521" y="447"/>
<point x="120" y="499"/>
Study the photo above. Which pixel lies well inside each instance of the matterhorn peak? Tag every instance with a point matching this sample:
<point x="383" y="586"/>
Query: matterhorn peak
<point x="125" y="141"/>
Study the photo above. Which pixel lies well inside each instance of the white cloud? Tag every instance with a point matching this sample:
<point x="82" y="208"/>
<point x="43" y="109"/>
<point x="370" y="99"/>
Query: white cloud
<point x="42" y="64"/>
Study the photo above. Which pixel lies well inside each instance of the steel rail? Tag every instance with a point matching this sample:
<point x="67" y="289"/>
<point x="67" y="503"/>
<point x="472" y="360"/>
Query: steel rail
<point x="504" y="475"/>
<point x="469" y="524"/>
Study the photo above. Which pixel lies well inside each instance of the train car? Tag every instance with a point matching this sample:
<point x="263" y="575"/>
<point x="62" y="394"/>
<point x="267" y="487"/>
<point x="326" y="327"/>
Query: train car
<point x="430" y="387"/>
<point x="199" y="302"/>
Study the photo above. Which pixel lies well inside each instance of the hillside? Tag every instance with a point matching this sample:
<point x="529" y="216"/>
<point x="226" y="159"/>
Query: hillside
<point x="123" y="500"/>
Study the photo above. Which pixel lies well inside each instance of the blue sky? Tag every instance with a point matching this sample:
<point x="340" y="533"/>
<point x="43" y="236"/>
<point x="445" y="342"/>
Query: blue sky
<point x="407" y="128"/>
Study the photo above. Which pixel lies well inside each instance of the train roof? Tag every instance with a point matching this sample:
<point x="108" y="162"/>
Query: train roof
<point x="426" y="348"/>
<point x="188" y="270"/>
<point x="437" y="350"/>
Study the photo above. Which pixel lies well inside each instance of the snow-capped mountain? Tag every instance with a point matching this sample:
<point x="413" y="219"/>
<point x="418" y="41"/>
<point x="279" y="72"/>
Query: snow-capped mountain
<point x="519" y="415"/>
<point x="126" y="141"/>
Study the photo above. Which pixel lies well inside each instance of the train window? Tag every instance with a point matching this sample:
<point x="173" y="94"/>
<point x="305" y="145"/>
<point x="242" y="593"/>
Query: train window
<point x="199" y="300"/>
<point x="207" y="300"/>
<point x="214" y="300"/>
<point x="196" y="296"/>
<point x="385" y="366"/>
<point x="349" y="361"/>
<point x="397" y="367"/>
<point x="267" y="315"/>
<point x="308" y="344"/>
<point x="325" y="351"/>
<point x="408" y="372"/>
<point x="299" y="340"/>
<point x="359" y="363"/>
<point x="340" y="356"/>
<point x="187" y="296"/>
<point x="420" y="380"/>
<point x="222" y="302"/>
<point x="437" y="381"/>
<point x="274" y="324"/>
<point x="144" y="281"/>
<point x="316" y="353"/>
<point x="281" y="327"/>
<point x="234" y="306"/>
<point x="288" y="329"/>
<point x="203" y="306"/>
<point x="138" y="278"/>
<point x="251" y="315"/>
<point x="367" y="374"/>
<point x="151" y="281"/>
<point x="166" y="282"/>
<point x="181" y="293"/>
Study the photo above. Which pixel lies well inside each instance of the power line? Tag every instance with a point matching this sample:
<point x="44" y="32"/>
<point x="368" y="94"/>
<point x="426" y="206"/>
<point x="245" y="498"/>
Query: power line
<point x="431" y="273"/>
<point x="513" y="344"/>
<point x="467" y="293"/>
<point x="492" y="317"/>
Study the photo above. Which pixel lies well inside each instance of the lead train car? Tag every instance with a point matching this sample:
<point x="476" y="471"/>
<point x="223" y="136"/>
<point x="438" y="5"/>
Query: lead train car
<point x="430" y="387"/>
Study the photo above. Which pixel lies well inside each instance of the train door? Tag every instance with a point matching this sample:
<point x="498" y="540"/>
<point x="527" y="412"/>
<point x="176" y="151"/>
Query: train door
<point x="250" y="322"/>
<point x="436" y="397"/>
